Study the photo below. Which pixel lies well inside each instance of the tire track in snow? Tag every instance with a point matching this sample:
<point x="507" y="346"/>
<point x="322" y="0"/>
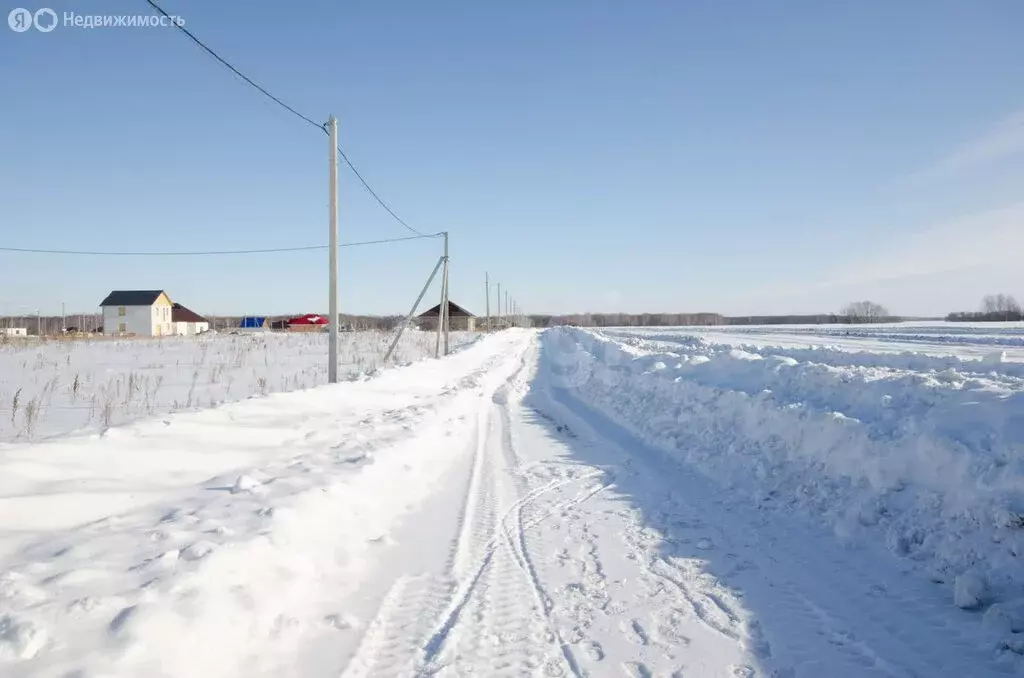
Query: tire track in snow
<point x="403" y="629"/>
<point x="499" y="621"/>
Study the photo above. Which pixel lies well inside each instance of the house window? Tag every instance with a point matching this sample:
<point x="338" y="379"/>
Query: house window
<point x="121" y="310"/>
<point x="122" y="327"/>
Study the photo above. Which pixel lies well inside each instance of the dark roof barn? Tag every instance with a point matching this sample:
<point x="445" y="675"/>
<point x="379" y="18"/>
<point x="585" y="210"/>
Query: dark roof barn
<point x="454" y="311"/>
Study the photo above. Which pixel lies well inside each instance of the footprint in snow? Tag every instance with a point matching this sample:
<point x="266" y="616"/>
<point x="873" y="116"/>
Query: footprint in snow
<point x="705" y="544"/>
<point x="593" y="650"/>
<point x="342" y="622"/>
<point x="637" y="670"/>
<point x="635" y="632"/>
<point x="198" y="550"/>
<point x="246" y="484"/>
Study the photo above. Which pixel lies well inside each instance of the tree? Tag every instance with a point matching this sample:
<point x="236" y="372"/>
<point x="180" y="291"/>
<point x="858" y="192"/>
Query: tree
<point x="1000" y="304"/>
<point x="865" y="312"/>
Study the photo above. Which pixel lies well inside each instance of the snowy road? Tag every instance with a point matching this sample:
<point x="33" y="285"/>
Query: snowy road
<point x="580" y="553"/>
<point x="465" y="517"/>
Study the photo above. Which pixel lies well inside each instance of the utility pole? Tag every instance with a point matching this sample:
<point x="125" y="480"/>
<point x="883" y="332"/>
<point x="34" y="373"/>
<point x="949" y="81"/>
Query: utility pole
<point x="447" y="318"/>
<point x="63" y="318"/>
<point x="487" y="296"/>
<point x="332" y="326"/>
<point x="39" y="322"/>
<point x="498" y="307"/>
<point x="442" y="309"/>
<point x="415" y="305"/>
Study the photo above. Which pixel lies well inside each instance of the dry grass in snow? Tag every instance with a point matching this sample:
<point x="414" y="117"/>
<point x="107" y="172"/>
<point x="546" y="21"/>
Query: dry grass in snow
<point x="56" y="387"/>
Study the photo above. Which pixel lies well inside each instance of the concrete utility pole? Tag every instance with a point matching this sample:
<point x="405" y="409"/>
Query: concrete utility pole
<point x="415" y="305"/>
<point x="498" y="306"/>
<point x="442" y="309"/>
<point x="487" y="296"/>
<point x="332" y="326"/>
<point x="447" y="315"/>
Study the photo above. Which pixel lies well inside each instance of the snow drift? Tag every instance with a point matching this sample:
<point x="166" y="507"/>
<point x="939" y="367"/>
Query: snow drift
<point x="929" y="463"/>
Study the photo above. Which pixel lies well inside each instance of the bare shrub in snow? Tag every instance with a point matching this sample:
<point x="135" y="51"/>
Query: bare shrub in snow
<point x="31" y="413"/>
<point x="15" y="404"/>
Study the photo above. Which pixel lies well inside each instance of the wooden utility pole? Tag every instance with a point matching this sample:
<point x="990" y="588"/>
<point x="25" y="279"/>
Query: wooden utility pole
<point x="332" y="326"/>
<point x="498" y="307"/>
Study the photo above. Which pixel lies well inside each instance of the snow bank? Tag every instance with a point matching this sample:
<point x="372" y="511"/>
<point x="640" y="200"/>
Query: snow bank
<point x="930" y="464"/>
<point x="911" y="361"/>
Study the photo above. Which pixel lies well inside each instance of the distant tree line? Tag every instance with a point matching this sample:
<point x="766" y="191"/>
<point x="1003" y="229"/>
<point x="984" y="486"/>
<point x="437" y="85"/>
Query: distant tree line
<point x="627" y="319"/>
<point x="994" y="308"/>
<point x="859" y="312"/>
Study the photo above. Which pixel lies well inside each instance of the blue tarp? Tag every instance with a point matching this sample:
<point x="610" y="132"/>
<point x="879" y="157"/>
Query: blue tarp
<point x="252" y="322"/>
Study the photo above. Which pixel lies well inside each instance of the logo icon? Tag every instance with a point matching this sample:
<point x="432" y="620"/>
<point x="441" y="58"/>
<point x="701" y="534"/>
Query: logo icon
<point x="45" y="26"/>
<point x="20" y="19"/>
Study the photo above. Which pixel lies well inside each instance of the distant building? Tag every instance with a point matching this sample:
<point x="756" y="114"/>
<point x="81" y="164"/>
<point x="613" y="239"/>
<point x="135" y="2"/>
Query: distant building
<point x="187" y="321"/>
<point x="253" y="323"/>
<point x="144" y="313"/>
<point x="311" y="322"/>
<point x="459" y="319"/>
<point x="14" y="331"/>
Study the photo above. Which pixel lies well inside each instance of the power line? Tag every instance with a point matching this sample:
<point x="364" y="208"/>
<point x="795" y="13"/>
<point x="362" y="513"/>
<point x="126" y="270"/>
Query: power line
<point x="374" y="193"/>
<point x="234" y="70"/>
<point x="288" y="108"/>
<point x="269" y="250"/>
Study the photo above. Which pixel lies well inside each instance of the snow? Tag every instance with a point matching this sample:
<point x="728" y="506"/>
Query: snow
<point x="60" y="386"/>
<point x="562" y="503"/>
<point x="927" y="461"/>
<point x="969" y="590"/>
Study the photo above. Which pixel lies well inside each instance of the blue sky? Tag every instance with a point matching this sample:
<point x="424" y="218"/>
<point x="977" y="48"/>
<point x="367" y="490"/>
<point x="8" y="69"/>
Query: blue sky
<point x="741" y="157"/>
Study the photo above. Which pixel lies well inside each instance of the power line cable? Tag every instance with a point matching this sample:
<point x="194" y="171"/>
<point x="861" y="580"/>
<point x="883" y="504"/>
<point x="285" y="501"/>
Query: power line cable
<point x="374" y="193"/>
<point x="269" y="250"/>
<point x="291" y="110"/>
<point x="234" y="70"/>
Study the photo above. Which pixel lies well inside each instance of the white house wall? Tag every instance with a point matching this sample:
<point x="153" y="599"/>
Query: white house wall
<point x="161" y="324"/>
<point x="184" y="328"/>
<point x="136" y="319"/>
<point x="144" y="321"/>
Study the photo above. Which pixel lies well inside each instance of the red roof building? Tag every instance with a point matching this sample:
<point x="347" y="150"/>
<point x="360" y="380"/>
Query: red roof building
<point x="307" y="323"/>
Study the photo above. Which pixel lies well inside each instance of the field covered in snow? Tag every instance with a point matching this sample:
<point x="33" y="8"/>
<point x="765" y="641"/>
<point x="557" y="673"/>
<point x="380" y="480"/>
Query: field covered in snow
<point x="56" y="387"/>
<point x="907" y="435"/>
<point x="762" y="502"/>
